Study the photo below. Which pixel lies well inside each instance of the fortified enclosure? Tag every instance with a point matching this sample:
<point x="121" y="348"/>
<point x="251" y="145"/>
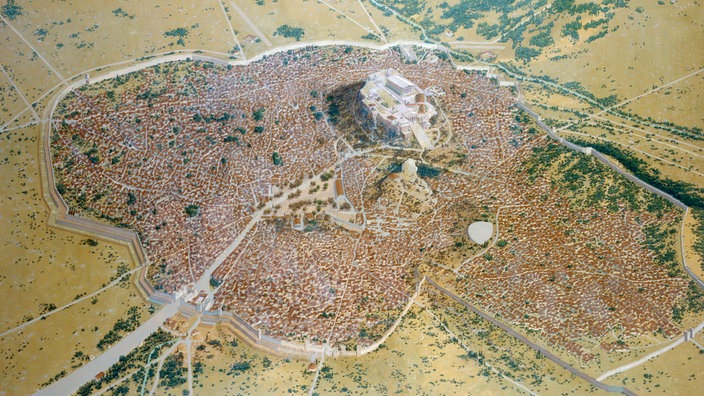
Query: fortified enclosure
<point x="263" y="176"/>
<point x="397" y="106"/>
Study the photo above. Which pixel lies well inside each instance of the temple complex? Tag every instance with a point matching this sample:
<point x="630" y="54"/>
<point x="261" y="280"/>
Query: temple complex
<point x="398" y="106"/>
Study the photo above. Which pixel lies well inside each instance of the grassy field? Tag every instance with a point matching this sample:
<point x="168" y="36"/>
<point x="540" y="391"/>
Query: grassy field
<point x="420" y="357"/>
<point x="27" y="70"/>
<point x="680" y="369"/>
<point x="34" y="355"/>
<point x="649" y="50"/>
<point x="82" y="36"/>
<point x="230" y="366"/>
<point x="681" y="102"/>
<point x="44" y="269"/>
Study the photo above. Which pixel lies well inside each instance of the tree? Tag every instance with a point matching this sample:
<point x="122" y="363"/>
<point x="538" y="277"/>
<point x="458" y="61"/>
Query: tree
<point x="276" y="157"/>
<point x="192" y="210"/>
<point x="258" y="115"/>
<point x="11" y="10"/>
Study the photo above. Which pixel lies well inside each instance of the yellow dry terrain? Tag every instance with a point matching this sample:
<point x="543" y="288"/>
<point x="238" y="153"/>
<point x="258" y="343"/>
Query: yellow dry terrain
<point x="232" y="367"/>
<point x="26" y="69"/>
<point x="500" y="353"/>
<point x="678" y="371"/>
<point x="681" y="103"/>
<point x="12" y="100"/>
<point x="652" y="47"/>
<point x="654" y="57"/>
<point x="84" y="36"/>
<point x="42" y="266"/>
<point x="44" y="269"/>
<point x="393" y="28"/>
<point x="420" y="357"/>
<point x="318" y="20"/>
<point x="38" y="352"/>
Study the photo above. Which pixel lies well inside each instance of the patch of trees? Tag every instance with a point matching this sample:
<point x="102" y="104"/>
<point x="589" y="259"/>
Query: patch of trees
<point x="408" y="7"/>
<point x="699" y="234"/>
<point x="464" y="13"/>
<point x="571" y="30"/>
<point x="276" y="158"/>
<point x="659" y="240"/>
<point x="208" y="118"/>
<point x="688" y="193"/>
<point x="258" y="115"/>
<point x="326" y="176"/>
<point x="488" y="31"/>
<point x="291" y="31"/>
<point x="559" y="6"/>
<point x="542" y="39"/>
<point x="428" y="171"/>
<point x="123" y="325"/>
<point x="192" y="210"/>
<point x="173" y="373"/>
<point x="10" y="10"/>
<point x="46" y="307"/>
<point x="526" y="53"/>
<point x="693" y="302"/>
<point x="181" y="33"/>
<point x="371" y="36"/>
<point x="148" y="95"/>
<point x="239" y="367"/>
<point x="333" y="109"/>
<point x="93" y="155"/>
<point x="178" y="32"/>
<point x="129" y="362"/>
<point x="597" y="36"/>
<point x="90" y="242"/>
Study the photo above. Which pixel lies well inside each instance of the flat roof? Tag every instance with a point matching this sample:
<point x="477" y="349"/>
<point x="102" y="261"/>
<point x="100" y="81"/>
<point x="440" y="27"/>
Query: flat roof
<point x="400" y="82"/>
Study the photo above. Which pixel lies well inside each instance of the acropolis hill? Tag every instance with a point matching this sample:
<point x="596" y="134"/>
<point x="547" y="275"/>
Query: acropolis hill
<point x="328" y="229"/>
<point x="397" y="106"/>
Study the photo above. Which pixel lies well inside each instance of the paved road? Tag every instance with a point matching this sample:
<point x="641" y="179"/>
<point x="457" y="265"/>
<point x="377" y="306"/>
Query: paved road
<point x="70" y="384"/>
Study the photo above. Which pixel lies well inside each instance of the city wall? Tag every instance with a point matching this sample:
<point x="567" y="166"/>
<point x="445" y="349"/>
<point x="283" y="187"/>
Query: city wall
<point x="60" y="217"/>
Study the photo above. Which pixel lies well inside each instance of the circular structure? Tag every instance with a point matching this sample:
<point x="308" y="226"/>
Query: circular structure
<point x="480" y="231"/>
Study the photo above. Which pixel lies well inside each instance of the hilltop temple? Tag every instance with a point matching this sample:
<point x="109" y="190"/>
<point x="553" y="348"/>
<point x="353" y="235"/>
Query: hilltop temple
<point x="398" y="106"/>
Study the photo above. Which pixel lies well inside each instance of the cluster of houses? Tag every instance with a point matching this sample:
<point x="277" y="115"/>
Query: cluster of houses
<point x="190" y="153"/>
